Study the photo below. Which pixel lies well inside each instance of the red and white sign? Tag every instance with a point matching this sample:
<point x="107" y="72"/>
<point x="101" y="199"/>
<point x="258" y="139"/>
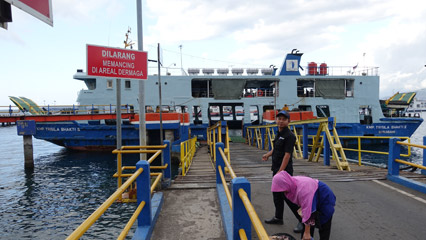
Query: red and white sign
<point x="41" y="9"/>
<point x="116" y="62"/>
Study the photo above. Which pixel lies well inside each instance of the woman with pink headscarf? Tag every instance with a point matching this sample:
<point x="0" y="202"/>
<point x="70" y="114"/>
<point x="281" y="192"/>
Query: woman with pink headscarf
<point x="315" y="199"/>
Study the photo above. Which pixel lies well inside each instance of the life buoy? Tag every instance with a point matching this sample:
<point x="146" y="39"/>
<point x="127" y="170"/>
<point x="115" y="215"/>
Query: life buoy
<point x="260" y="93"/>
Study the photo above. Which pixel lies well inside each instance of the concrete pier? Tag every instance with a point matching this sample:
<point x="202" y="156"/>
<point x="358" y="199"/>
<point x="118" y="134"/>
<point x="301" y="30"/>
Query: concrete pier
<point x="28" y="151"/>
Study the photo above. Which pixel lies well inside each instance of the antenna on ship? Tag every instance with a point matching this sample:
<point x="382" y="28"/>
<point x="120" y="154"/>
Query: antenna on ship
<point x="181" y="68"/>
<point x="128" y="43"/>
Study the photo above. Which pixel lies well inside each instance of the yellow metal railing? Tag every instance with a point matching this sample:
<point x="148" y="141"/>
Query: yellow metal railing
<point x="187" y="152"/>
<point x="117" y="195"/>
<point x="257" y="224"/>
<point x="270" y="135"/>
<point x="256" y="138"/>
<point x="214" y="135"/>
<point x="156" y="150"/>
<point x="359" y="145"/>
<point x="410" y="163"/>
<point x="95" y="215"/>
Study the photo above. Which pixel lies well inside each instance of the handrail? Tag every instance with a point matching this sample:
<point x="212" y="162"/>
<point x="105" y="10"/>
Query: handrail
<point x="410" y="144"/>
<point x="227" y="192"/>
<point x="95" y="215"/>
<point x="157" y="180"/>
<point x="257" y="224"/>
<point x="394" y="165"/>
<point x="158" y="149"/>
<point x="242" y="233"/>
<point x="269" y="137"/>
<point x="410" y="164"/>
<point x="261" y="232"/>
<point x="214" y="130"/>
<point x="228" y="165"/>
<point x="132" y="220"/>
<point x="66" y="109"/>
<point x="144" y="147"/>
<point x="359" y="150"/>
<point x="187" y="152"/>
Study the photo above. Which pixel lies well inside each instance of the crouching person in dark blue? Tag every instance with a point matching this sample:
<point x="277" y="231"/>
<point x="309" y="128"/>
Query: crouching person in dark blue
<point x="315" y="199"/>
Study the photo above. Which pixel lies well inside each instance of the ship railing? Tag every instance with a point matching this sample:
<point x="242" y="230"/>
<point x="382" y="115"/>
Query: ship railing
<point x="342" y="71"/>
<point x="236" y="205"/>
<point x="217" y="133"/>
<point x="10" y="111"/>
<point x="394" y="164"/>
<point x="187" y="152"/>
<point x="64" y="110"/>
<point x="148" y="208"/>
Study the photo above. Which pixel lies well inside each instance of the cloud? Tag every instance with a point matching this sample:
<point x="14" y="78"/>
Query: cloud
<point x="87" y="10"/>
<point x="391" y="32"/>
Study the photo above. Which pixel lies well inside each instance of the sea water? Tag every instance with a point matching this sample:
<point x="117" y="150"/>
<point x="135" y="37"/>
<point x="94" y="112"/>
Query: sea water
<point x="65" y="187"/>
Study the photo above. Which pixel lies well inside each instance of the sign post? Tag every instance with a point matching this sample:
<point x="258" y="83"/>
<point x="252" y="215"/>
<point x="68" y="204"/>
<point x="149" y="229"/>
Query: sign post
<point x="117" y="63"/>
<point x="41" y="9"/>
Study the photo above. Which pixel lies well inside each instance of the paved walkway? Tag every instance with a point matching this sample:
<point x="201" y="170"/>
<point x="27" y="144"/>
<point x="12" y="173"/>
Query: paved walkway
<point x="368" y="206"/>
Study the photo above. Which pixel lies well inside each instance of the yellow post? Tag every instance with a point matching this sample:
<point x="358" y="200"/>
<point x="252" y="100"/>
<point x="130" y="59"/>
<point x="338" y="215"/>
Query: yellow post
<point x="182" y="157"/>
<point x="214" y="145"/>
<point x="359" y="151"/>
<point x="119" y="180"/>
<point x="219" y="132"/>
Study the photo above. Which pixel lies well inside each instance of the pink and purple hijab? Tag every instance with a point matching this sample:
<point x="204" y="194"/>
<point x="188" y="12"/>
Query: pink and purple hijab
<point x="300" y="190"/>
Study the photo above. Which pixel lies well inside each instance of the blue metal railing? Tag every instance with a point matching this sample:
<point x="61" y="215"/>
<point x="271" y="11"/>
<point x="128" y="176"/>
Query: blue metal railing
<point x="394" y="163"/>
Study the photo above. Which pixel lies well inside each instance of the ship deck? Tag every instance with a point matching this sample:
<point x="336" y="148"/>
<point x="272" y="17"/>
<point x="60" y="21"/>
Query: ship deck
<point x="368" y="206"/>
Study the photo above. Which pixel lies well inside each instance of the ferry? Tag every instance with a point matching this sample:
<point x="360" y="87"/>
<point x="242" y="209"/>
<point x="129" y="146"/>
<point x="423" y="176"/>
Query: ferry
<point x="241" y="97"/>
<point x="417" y="106"/>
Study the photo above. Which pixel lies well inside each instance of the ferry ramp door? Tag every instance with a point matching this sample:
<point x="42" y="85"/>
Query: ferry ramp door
<point x="232" y="113"/>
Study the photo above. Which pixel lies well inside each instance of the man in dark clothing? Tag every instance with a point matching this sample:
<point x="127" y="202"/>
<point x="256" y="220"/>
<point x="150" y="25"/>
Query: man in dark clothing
<point x="282" y="154"/>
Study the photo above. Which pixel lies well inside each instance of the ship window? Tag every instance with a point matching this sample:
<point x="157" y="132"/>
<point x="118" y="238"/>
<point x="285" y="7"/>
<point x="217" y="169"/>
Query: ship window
<point x="127" y="84"/>
<point x="365" y="114"/>
<point x="323" y="111"/>
<point x="254" y="114"/>
<point x="349" y="87"/>
<point x="181" y="109"/>
<point x="164" y="109"/>
<point x="228" y="113"/>
<point x="201" y="88"/>
<point x="196" y="115"/>
<point x="90" y="83"/>
<point x="305" y="88"/>
<point x="109" y="84"/>
<point x="260" y="88"/>
<point x="214" y="113"/>
<point x="239" y="110"/>
<point x="330" y="88"/>
<point x="149" y="109"/>
<point x="305" y="108"/>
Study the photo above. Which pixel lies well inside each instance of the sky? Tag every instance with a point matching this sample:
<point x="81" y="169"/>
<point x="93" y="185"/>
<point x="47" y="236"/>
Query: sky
<point x="38" y="61"/>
